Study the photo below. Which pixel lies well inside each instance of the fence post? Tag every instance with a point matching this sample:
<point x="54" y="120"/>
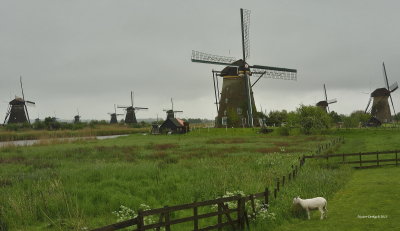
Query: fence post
<point x="219" y="216"/>
<point x="275" y="192"/>
<point x="167" y="226"/>
<point x="360" y="160"/>
<point x="196" y="219"/>
<point x="343" y="158"/>
<point x="241" y="209"/>
<point x="283" y="181"/>
<point x="140" y="223"/>
<point x="377" y="158"/>
<point x="266" y="196"/>
<point x="290" y="176"/>
<point x="296" y="170"/>
<point x="277" y="184"/>
<point x="396" y="158"/>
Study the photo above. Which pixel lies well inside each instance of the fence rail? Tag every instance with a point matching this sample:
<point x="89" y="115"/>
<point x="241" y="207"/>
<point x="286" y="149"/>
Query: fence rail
<point x="395" y="160"/>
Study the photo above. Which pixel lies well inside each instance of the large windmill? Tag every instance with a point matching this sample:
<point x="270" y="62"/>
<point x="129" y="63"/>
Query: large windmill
<point x="324" y="104"/>
<point x="114" y="115"/>
<point x="130" y="117"/>
<point x="17" y="111"/>
<point x="236" y="105"/>
<point x="171" y="112"/>
<point x="380" y="108"/>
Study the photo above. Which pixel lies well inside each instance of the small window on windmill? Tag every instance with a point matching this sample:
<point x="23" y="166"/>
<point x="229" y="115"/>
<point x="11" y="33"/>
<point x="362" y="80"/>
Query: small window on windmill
<point x="226" y="100"/>
<point x="224" y="121"/>
<point x="225" y="113"/>
<point x="239" y="111"/>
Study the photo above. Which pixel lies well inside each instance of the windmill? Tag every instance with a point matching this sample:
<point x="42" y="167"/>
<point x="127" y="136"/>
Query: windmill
<point x="324" y="104"/>
<point x="114" y="115"/>
<point x="17" y="111"/>
<point x="236" y="105"/>
<point x="171" y="112"/>
<point x="130" y="117"/>
<point x="380" y="108"/>
<point x="77" y="118"/>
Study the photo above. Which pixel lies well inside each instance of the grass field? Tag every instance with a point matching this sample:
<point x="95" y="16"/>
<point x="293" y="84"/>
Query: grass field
<point x="372" y="192"/>
<point x="77" y="185"/>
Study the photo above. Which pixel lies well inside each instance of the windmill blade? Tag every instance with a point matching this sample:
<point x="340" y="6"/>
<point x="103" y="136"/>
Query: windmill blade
<point x="201" y="57"/>
<point x="274" y="72"/>
<point x="326" y="96"/>
<point x="119" y="106"/>
<point x="132" y="98"/>
<point x="393" y="87"/>
<point x="245" y="21"/>
<point x="7" y="114"/>
<point x="331" y="101"/>
<point x="369" y="102"/>
<point x="30" y="103"/>
<point x="385" y="78"/>
<point x="391" y="100"/>
<point x="27" y="114"/>
<point x="22" y="89"/>
<point x="141" y="108"/>
<point x="178" y="111"/>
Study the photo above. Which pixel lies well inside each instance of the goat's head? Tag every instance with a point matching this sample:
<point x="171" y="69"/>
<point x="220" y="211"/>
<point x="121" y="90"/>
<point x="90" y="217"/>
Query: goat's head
<point x="296" y="200"/>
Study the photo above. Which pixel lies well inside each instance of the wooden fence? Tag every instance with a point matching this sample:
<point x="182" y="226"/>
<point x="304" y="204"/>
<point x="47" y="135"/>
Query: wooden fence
<point x="236" y="218"/>
<point x="376" y="162"/>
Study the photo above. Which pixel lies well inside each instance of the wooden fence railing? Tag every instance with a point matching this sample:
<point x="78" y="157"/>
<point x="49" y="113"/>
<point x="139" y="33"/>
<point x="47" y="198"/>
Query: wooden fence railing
<point x="236" y="218"/>
<point x="378" y="161"/>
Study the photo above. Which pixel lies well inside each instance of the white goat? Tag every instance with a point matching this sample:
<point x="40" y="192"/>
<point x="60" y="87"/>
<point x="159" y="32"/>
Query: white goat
<point x="319" y="203"/>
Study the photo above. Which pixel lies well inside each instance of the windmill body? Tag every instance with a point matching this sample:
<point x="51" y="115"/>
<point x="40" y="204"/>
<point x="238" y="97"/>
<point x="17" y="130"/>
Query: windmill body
<point x="114" y="115"/>
<point x="380" y="105"/>
<point x="77" y="119"/>
<point x="324" y="104"/>
<point x="17" y="113"/>
<point x="235" y="105"/>
<point x="380" y="108"/>
<point x="130" y="117"/>
<point x="17" y="110"/>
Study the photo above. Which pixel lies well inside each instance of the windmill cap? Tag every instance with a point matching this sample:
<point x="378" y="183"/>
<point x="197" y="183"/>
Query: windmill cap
<point x="233" y="71"/>
<point x="17" y="101"/>
<point x="380" y="92"/>
<point x="322" y="103"/>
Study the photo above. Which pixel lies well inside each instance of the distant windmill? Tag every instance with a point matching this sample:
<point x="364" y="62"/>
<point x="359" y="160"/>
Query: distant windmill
<point x="17" y="111"/>
<point x="380" y="108"/>
<point x="130" y="117"/>
<point x="114" y="115"/>
<point x="236" y="105"/>
<point x="171" y="112"/>
<point x="324" y="104"/>
<point x="77" y="118"/>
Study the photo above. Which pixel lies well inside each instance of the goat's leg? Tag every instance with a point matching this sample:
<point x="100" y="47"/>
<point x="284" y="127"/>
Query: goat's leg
<point x="321" y="210"/>
<point x="308" y="213"/>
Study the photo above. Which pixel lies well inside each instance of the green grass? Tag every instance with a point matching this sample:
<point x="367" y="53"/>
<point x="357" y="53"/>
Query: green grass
<point x="370" y="192"/>
<point x="74" y="185"/>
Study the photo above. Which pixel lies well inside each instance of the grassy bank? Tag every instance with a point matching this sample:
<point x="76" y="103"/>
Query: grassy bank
<point x="99" y="130"/>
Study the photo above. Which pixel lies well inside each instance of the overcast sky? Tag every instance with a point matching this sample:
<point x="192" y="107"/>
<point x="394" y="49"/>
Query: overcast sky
<point x="89" y="55"/>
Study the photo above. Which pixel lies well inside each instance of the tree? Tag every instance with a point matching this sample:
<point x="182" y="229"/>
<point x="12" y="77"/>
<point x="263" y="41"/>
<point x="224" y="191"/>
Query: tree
<point x="310" y="119"/>
<point x="277" y="117"/>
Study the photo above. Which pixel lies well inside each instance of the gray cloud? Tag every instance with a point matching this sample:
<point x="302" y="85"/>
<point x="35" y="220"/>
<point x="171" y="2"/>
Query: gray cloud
<point x="90" y="54"/>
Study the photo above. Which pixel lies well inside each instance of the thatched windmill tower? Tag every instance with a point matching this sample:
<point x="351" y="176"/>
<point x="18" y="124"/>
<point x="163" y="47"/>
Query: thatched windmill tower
<point x="130" y="117"/>
<point x="324" y="104"/>
<point x="114" y="115"/>
<point x="235" y="104"/>
<point x="380" y="108"/>
<point x="17" y="111"/>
